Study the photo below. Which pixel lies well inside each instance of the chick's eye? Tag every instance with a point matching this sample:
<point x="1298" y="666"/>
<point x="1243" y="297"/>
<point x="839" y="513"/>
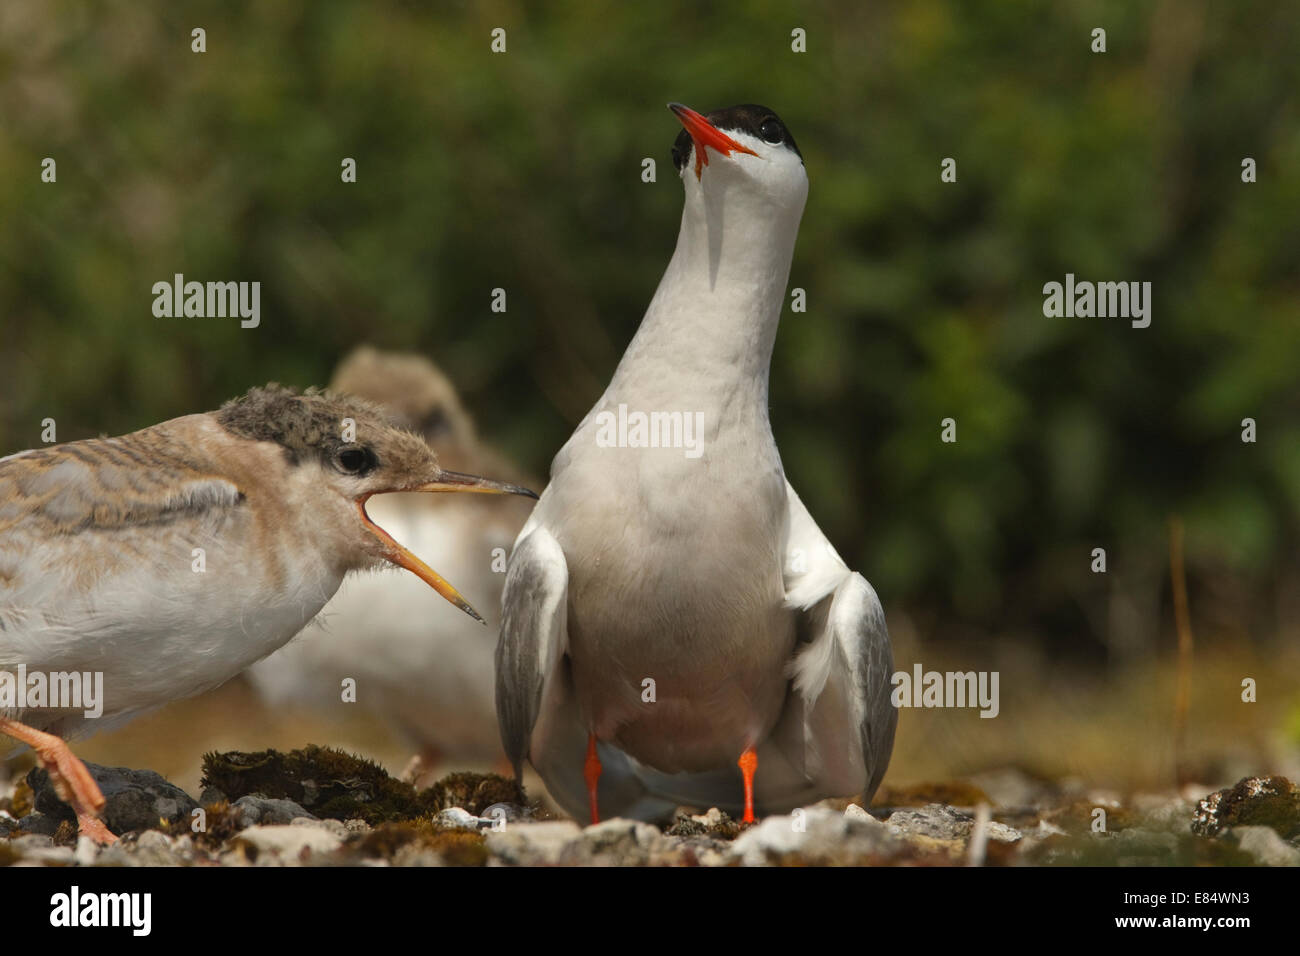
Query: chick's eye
<point x="771" y="131"/>
<point x="355" y="461"/>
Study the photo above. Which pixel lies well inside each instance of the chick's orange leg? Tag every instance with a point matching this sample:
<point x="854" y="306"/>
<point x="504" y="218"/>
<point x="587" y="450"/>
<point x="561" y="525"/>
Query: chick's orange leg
<point x="72" y="781"/>
<point x="748" y="763"/>
<point x="88" y="824"/>
<point x="591" y="770"/>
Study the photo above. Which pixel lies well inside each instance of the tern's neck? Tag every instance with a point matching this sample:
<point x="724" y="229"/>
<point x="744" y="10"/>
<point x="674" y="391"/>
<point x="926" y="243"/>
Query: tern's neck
<point x="713" y="319"/>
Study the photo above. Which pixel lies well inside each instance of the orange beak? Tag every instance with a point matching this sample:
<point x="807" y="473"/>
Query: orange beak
<point x="705" y="134"/>
<point x="400" y="556"/>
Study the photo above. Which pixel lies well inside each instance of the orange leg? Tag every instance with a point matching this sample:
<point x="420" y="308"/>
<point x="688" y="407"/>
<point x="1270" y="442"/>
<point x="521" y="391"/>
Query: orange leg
<point x="591" y="770"/>
<point x="748" y="763"/>
<point x="72" y="781"/>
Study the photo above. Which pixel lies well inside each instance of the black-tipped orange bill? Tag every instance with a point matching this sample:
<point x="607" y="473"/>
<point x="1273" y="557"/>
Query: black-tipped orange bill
<point x="403" y="558"/>
<point x="705" y="134"/>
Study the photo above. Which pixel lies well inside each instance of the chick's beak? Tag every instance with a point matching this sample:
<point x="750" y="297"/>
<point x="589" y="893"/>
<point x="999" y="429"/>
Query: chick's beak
<point x="455" y="481"/>
<point x="705" y="134"/>
<point x="400" y="556"/>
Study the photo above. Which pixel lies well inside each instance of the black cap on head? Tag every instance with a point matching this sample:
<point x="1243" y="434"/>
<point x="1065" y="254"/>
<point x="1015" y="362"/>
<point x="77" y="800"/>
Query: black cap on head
<point x="758" y="121"/>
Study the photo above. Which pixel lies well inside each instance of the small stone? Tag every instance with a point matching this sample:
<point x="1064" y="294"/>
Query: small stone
<point x="154" y="840"/>
<point x="183" y="847"/>
<point x="87" y="851"/>
<point x="815" y="836"/>
<point x="152" y="848"/>
<point x="116" y="855"/>
<point x="935" y="820"/>
<point x="256" y="809"/>
<point x="51" y="856"/>
<point x="134" y="799"/>
<point x="855" y="812"/>
<point x="1266" y="846"/>
<point x="336" y="827"/>
<point x="31" y="841"/>
<point x="617" y="842"/>
<point x="1003" y="833"/>
<point x="461" y="819"/>
<point x="532" y="844"/>
<point x="284" y="844"/>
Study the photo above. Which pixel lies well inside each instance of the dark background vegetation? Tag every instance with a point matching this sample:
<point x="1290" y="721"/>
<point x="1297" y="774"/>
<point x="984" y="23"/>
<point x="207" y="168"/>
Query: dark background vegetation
<point x="522" y="171"/>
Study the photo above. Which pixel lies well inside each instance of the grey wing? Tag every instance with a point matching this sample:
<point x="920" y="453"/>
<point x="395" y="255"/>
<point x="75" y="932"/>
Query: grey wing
<point x="97" y="484"/>
<point x="880" y="716"/>
<point x="533" y="637"/>
<point x="856" y="626"/>
<point x="837" y="733"/>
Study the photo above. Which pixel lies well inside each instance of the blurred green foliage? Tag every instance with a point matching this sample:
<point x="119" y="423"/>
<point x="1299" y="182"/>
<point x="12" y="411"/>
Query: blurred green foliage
<point x="522" y="171"/>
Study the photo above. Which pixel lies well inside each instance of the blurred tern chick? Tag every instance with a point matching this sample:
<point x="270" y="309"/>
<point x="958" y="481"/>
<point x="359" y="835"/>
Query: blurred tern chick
<point x="427" y="674"/>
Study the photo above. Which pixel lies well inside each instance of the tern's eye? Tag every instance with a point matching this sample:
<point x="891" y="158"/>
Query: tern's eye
<point x="355" y="460"/>
<point x="772" y="132"/>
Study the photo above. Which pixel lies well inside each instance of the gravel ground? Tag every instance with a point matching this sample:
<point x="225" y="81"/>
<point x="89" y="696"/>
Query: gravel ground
<point x="321" y="807"/>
